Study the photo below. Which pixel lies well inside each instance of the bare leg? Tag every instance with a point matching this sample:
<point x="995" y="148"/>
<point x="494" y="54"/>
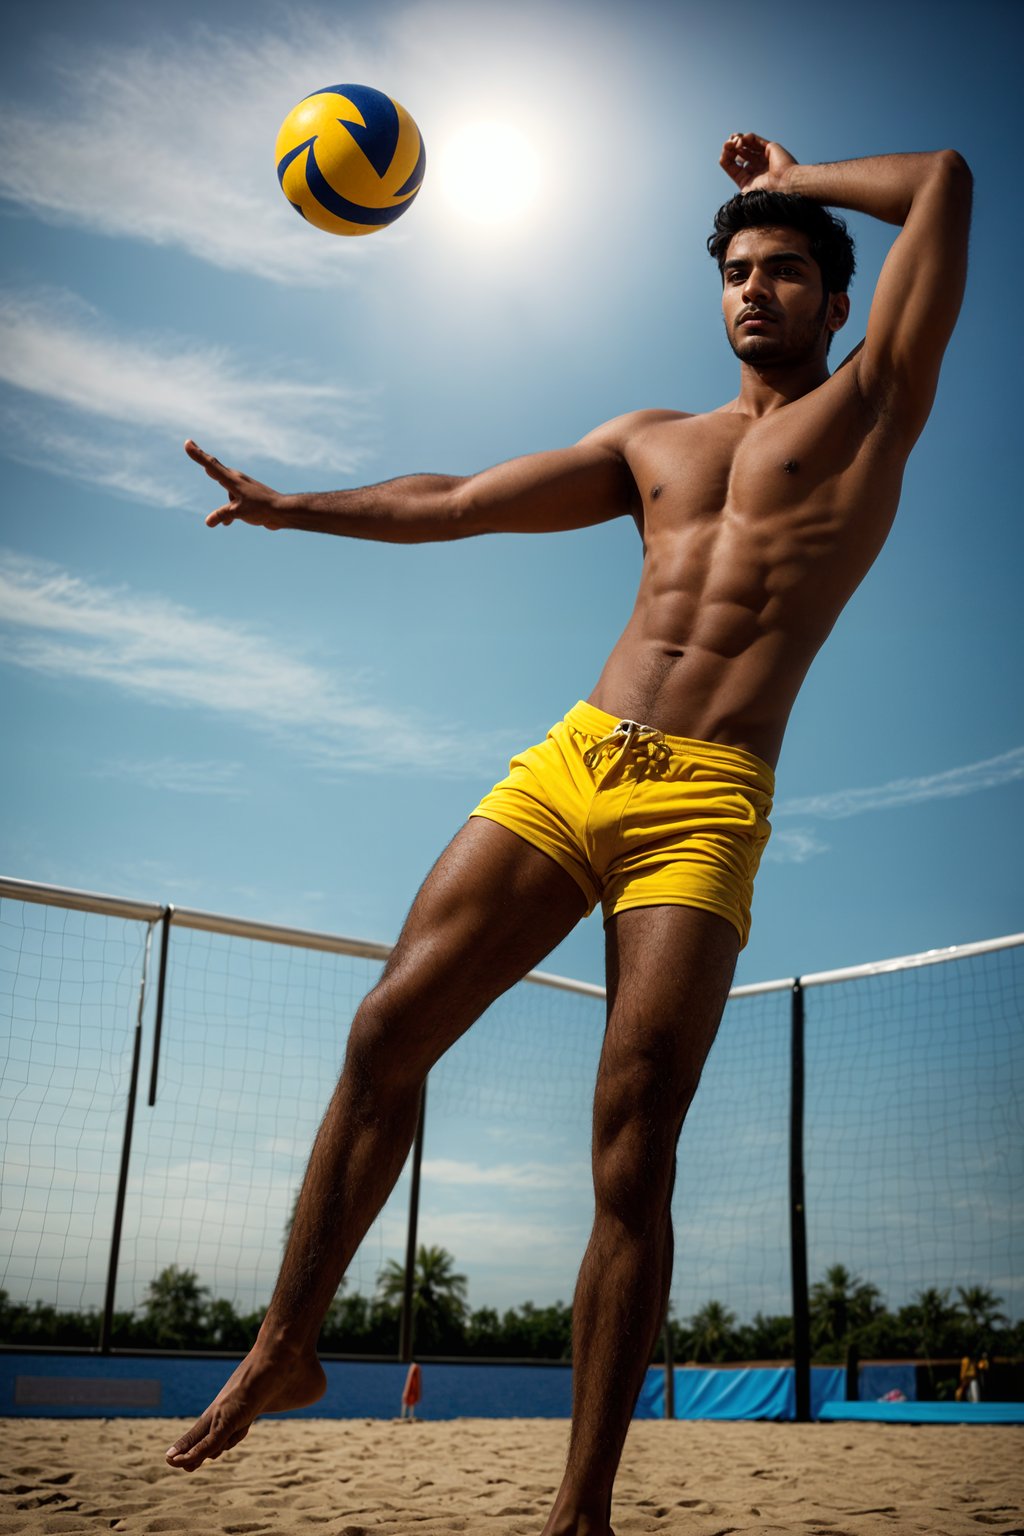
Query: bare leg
<point x="492" y="907"/>
<point x="669" y="970"/>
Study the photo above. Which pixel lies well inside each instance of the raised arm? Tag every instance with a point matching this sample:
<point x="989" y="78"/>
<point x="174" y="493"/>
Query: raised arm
<point x="542" y="493"/>
<point x="921" y="285"/>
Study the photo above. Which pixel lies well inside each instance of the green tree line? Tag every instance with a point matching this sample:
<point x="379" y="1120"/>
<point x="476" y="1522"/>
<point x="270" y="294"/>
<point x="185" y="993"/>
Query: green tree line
<point x="178" y="1312"/>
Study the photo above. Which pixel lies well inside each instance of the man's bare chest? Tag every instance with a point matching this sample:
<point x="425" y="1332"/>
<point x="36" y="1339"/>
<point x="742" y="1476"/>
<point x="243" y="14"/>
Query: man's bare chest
<point x="795" y="464"/>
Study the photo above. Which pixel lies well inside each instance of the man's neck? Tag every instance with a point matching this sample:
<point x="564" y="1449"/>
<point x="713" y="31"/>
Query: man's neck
<point x="763" y="390"/>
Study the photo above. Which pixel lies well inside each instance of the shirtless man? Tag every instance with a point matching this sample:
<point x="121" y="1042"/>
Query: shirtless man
<point x="759" y="519"/>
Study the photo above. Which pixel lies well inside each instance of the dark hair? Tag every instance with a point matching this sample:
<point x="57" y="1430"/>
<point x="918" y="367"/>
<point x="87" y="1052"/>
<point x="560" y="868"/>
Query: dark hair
<point x="830" y="241"/>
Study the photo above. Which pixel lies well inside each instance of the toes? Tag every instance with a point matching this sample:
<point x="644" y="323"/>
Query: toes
<point x="205" y="1441"/>
<point x="188" y="1460"/>
<point x="185" y="1447"/>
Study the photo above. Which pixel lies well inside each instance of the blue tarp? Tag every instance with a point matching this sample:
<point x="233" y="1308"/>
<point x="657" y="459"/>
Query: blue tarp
<point x="58" y="1386"/>
<point x="178" y="1388"/>
<point x="928" y="1413"/>
<point x="758" y="1393"/>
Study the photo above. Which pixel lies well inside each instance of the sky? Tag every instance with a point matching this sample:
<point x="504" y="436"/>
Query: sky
<point x="290" y="728"/>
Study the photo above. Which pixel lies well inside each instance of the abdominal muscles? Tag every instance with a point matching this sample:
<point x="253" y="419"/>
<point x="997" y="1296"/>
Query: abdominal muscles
<point x="721" y="638"/>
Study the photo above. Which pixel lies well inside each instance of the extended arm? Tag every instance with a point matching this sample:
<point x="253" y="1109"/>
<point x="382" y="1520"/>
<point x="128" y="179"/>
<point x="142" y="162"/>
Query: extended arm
<point x="921" y="285"/>
<point x="542" y="493"/>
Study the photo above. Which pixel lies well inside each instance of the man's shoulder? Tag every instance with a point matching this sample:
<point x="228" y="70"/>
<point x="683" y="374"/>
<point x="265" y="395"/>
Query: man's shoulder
<point x="621" y="431"/>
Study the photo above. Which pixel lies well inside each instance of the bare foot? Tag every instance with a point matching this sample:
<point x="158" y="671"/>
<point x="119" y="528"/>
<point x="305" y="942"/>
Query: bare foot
<point x="577" y="1529"/>
<point x="263" y="1383"/>
<point x="575" y="1525"/>
<point x="567" y="1518"/>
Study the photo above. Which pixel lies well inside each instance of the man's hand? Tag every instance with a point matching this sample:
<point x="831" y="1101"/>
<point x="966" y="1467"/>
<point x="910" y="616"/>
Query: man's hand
<point x="756" y="164"/>
<point x="249" y="499"/>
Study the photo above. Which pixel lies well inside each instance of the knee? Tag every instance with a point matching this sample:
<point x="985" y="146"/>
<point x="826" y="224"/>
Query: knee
<point x="384" y="1044"/>
<point x="637" y="1119"/>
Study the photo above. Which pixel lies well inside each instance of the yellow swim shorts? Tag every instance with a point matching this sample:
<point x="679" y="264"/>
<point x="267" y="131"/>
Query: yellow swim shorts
<point x="638" y="818"/>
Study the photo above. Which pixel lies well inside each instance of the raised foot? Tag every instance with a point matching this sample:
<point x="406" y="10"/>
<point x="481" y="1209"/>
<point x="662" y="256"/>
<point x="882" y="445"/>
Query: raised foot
<point x="263" y="1383"/>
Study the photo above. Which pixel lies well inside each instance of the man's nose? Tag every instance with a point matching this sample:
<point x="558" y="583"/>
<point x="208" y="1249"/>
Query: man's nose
<point x="756" y="286"/>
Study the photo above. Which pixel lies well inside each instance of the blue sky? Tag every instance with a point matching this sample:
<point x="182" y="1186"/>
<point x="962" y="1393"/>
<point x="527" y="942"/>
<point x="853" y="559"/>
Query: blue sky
<point x="290" y="728"/>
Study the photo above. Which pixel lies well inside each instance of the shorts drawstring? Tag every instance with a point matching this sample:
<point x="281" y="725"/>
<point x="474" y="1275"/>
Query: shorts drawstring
<point x="646" y="745"/>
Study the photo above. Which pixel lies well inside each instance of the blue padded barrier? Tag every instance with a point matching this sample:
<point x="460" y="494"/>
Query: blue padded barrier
<point x="756" y="1393"/>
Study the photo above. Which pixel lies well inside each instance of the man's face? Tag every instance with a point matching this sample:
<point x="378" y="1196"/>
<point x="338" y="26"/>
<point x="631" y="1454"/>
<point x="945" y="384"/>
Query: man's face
<point x="776" y="311"/>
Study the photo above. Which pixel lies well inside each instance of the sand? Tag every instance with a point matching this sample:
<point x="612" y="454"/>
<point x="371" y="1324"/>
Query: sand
<point x="349" y="1477"/>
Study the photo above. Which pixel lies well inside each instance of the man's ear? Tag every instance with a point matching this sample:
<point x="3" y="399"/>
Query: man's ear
<point x="838" y="311"/>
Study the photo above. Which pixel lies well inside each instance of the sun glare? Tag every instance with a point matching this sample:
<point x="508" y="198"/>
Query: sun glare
<point x="490" y="173"/>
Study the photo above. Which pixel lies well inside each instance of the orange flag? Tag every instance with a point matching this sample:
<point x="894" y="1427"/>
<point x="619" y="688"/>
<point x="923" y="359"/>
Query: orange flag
<point x="413" y="1388"/>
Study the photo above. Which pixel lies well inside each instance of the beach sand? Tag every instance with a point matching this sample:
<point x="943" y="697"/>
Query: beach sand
<point x="497" y="1477"/>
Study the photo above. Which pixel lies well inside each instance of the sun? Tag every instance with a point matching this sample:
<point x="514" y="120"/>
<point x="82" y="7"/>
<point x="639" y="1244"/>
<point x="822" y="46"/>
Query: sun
<point x="489" y="172"/>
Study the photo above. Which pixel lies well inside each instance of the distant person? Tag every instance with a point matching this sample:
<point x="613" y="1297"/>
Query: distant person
<point x="759" y="520"/>
<point x="971" y="1368"/>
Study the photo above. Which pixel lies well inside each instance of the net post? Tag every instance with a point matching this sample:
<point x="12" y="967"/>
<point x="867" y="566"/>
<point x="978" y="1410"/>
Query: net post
<point x="852" y="1373"/>
<point x="670" y="1369"/>
<point x="797" y="1212"/>
<point x="107" y="1323"/>
<point x="161" y="986"/>
<point x="405" y="1331"/>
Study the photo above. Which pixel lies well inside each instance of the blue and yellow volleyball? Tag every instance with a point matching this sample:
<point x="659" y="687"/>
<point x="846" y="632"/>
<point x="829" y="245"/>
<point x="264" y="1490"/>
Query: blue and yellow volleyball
<point x="350" y="159"/>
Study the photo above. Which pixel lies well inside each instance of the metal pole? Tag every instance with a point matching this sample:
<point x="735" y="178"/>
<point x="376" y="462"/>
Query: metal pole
<point x="161" y="985"/>
<point x="797" y="1214"/>
<point x="106" y="1326"/>
<point x="406" y="1331"/>
<point x="670" y="1371"/>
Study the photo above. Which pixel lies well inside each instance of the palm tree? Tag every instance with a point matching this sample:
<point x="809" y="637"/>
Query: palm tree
<point x="931" y="1320"/>
<point x="438" y="1293"/>
<point x="840" y="1304"/>
<point x="711" y="1331"/>
<point x="980" y="1304"/>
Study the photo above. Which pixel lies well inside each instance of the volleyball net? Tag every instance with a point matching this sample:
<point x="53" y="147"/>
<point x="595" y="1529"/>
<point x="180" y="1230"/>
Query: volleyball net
<point x="165" y="1072"/>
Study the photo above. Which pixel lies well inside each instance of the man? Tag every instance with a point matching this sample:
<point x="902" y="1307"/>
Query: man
<point x="759" y="519"/>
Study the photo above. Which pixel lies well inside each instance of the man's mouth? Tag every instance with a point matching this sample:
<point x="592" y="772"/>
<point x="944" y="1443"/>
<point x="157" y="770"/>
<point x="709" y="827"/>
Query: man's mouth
<point x="755" y="322"/>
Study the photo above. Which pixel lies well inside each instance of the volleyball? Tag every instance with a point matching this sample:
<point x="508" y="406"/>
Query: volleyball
<point x="349" y="159"/>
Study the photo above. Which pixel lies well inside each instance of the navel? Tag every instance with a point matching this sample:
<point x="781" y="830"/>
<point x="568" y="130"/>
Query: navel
<point x="791" y="466"/>
<point x="656" y="491"/>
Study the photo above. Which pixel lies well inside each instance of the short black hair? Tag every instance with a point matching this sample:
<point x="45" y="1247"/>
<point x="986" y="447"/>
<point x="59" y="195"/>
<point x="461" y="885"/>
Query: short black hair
<point x="830" y="241"/>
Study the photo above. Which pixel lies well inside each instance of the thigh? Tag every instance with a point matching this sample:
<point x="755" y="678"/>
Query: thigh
<point x="669" y="973"/>
<point x="489" y="911"/>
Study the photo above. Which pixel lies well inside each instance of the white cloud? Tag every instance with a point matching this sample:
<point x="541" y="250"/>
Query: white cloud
<point x="794" y="845"/>
<point x="174" y="144"/>
<point x="64" y="626"/>
<point x="508" y="1176"/>
<point x="990" y="773"/>
<point x="55" y="348"/>
<point x="174" y="774"/>
<point x="114" y="461"/>
<point x="498" y="1238"/>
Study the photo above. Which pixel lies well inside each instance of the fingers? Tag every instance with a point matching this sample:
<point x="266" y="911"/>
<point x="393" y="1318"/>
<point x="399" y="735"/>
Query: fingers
<point x="247" y="498"/>
<point x="744" y="156"/>
<point x="228" y="478"/>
